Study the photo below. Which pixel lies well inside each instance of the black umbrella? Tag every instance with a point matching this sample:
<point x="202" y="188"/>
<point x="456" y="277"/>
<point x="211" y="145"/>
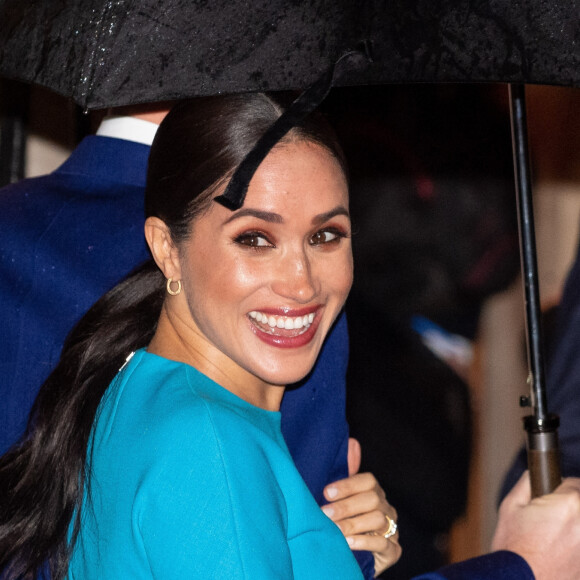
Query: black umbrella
<point x="105" y="53"/>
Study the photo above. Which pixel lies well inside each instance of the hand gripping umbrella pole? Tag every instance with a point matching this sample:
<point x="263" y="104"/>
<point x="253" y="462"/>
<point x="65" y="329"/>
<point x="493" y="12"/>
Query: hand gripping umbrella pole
<point x="541" y="426"/>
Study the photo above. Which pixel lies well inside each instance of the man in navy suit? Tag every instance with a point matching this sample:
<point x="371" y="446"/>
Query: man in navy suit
<point x="68" y="237"/>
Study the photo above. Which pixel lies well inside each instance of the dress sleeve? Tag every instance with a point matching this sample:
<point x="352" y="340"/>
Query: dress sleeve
<point x="188" y="517"/>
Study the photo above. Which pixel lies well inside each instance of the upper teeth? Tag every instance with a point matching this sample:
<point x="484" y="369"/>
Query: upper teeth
<point x="287" y="322"/>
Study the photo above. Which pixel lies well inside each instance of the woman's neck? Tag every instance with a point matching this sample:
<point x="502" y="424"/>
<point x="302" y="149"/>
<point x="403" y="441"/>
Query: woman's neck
<point x="176" y="340"/>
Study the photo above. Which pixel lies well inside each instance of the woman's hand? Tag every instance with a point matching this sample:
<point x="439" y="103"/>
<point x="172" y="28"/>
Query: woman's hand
<point x="358" y="506"/>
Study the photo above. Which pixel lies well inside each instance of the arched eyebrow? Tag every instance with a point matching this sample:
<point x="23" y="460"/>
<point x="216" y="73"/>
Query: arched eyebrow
<point x="323" y="217"/>
<point x="276" y="218"/>
<point x="267" y="216"/>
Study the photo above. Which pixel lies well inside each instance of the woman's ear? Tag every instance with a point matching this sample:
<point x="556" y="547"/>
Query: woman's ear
<point x="162" y="247"/>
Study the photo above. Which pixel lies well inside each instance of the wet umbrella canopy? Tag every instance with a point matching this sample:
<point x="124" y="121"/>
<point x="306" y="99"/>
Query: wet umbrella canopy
<point x="106" y="53"/>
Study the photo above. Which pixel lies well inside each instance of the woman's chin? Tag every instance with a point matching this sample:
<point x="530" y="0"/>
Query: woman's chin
<point x="284" y="377"/>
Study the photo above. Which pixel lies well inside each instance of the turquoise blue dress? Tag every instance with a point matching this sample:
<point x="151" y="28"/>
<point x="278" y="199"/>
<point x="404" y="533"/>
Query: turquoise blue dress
<point x="190" y="481"/>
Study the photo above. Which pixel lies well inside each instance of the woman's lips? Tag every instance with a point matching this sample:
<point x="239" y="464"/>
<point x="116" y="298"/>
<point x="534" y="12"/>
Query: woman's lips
<point x="288" y="330"/>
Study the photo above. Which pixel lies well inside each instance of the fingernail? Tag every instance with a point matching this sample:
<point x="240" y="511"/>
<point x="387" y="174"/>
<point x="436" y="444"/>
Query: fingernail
<point x="331" y="492"/>
<point x="328" y="511"/>
<point x="350" y="541"/>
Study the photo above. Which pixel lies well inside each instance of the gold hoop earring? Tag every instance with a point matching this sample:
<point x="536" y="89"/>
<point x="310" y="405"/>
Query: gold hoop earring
<point x="170" y="290"/>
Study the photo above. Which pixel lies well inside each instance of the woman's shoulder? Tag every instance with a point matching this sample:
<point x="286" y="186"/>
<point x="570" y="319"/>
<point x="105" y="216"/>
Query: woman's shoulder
<point x="181" y="465"/>
<point x="164" y="404"/>
<point x="155" y="396"/>
<point x="153" y="427"/>
<point x="161" y="418"/>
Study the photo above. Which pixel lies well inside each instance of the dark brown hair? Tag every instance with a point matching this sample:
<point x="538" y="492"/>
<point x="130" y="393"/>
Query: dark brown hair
<point x="200" y="143"/>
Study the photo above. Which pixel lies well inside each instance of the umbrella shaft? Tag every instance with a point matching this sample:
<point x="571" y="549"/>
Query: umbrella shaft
<point x="528" y="248"/>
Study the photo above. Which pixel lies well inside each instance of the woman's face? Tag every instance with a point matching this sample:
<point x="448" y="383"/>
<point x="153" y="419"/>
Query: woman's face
<point x="264" y="283"/>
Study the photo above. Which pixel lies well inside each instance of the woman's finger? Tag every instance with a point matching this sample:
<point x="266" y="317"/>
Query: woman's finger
<point x="356" y="505"/>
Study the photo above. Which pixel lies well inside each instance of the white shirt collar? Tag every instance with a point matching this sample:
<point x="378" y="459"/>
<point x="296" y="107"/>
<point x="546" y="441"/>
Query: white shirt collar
<point x="128" y="128"/>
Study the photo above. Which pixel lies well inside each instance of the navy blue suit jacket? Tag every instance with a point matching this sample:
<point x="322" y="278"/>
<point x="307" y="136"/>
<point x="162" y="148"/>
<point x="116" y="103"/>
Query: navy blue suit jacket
<point x="68" y="237"/>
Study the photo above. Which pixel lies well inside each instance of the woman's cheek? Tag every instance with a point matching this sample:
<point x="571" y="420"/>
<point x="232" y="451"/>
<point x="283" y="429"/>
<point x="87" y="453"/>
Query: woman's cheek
<point x="248" y="275"/>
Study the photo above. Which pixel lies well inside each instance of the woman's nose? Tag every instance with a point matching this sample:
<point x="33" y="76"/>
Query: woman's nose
<point x="294" y="278"/>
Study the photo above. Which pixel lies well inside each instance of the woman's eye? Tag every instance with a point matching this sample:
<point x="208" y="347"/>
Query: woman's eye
<point x="253" y="240"/>
<point x="325" y="237"/>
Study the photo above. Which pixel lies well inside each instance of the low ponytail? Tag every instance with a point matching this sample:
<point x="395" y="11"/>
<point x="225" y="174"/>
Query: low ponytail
<point x="42" y="478"/>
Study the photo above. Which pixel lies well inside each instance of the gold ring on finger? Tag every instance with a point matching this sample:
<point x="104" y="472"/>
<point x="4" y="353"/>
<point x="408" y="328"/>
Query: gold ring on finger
<point x="391" y="530"/>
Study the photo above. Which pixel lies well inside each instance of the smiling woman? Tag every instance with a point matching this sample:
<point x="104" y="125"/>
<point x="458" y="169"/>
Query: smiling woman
<point x="285" y="258"/>
<point x="174" y="465"/>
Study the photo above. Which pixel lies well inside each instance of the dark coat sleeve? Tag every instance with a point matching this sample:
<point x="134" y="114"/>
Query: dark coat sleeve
<point x="502" y="565"/>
